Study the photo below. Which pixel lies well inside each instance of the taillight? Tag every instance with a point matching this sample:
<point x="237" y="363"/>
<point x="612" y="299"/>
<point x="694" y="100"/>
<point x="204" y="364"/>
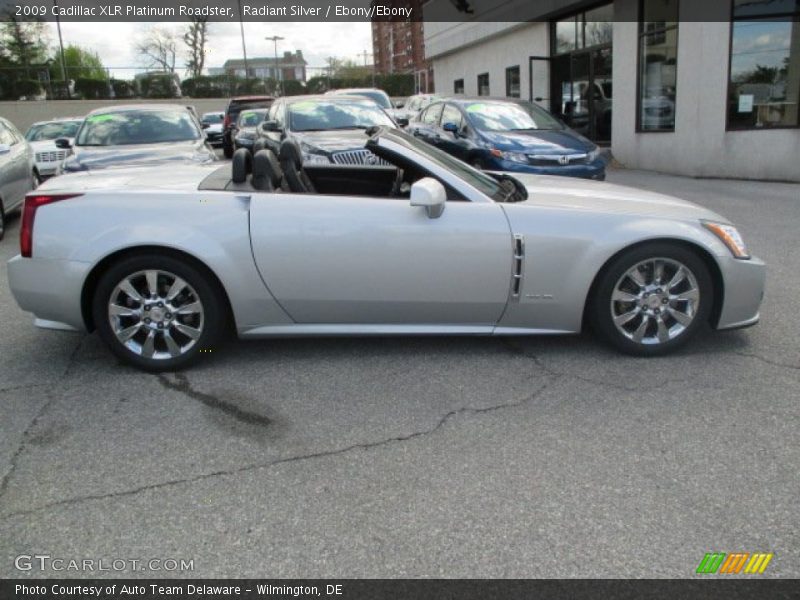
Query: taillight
<point x="32" y="202"/>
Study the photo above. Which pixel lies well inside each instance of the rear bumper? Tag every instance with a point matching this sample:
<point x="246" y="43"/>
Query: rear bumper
<point x="50" y="289"/>
<point x="744" y="282"/>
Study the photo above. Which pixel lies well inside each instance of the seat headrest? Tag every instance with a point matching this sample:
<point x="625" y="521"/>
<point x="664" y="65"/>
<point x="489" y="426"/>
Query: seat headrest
<point x="267" y="173"/>
<point x="291" y="154"/>
<point x="241" y="165"/>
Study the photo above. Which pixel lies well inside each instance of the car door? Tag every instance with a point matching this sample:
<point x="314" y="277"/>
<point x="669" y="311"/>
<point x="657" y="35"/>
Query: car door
<point x="365" y="260"/>
<point x="428" y="124"/>
<point x="16" y="176"/>
<point x="455" y="143"/>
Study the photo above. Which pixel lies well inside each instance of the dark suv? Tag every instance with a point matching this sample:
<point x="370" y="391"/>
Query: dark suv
<point x="235" y="106"/>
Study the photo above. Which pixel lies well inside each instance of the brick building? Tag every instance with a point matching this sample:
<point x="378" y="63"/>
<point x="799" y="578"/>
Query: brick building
<point x="399" y="47"/>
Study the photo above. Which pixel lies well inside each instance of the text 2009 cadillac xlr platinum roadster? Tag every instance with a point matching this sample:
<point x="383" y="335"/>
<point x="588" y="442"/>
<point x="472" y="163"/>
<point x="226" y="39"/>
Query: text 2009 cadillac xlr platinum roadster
<point x="161" y="260"/>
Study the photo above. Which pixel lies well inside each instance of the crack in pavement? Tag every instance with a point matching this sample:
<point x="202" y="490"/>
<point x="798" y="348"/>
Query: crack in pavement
<point x="302" y="457"/>
<point x="184" y="387"/>
<point x="4" y="482"/>
<point x="769" y="361"/>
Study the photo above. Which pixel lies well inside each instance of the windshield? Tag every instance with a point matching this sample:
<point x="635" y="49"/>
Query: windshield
<point x="477" y="179"/>
<point x="380" y="98"/>
<point x="251" y="118"/>
<point x="510" y="116"/>
<point x="321" y="115"/>
<point x="51" y="131"/>
<point x="212" y="118"/>
<point x="137" y="127"/>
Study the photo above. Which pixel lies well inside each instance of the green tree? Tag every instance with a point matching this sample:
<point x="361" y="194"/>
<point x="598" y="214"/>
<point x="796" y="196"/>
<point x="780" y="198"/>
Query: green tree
<point x="81" y="64"/>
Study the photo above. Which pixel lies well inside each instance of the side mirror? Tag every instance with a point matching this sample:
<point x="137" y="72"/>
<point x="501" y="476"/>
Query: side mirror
<point x="63" y="143"/>
<point x="430" y="194"/>
<point x="270" y="126"/>
<point x="399" y="104"/>
<point x="5" y="148"/>
<point x="402" y="121"/>
<point x="451" y="127"/>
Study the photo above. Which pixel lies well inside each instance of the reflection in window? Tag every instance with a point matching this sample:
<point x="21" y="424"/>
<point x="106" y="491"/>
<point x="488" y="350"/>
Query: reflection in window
<point x="591" y="28"/>
<point x="458" y="86"/>
<point x="765" y="68"/>
<point x="566" y="35"/>
<point x="658" y="61"/>
<point x="483" y="84"/>
<point x="512" y="82"/>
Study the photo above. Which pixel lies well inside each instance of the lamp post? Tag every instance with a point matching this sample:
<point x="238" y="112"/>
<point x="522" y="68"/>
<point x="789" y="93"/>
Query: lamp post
<point x="275" y="39"/>
<point x="244" y="47"/>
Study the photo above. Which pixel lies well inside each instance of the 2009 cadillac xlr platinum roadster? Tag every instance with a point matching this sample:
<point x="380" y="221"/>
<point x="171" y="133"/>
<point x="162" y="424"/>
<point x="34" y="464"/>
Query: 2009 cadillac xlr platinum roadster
<point x="161" y="260"/>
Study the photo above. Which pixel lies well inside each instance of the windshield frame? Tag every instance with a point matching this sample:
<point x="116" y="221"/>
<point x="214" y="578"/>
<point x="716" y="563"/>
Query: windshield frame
<point x="366" y="104"/>
<point x="529" y="108"/>
<point x="37" y="126"/>
<point x="80" y="136"/>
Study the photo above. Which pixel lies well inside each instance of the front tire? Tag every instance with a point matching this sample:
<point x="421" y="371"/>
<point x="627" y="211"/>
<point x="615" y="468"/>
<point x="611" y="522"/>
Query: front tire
<point x="158" y="313"/>
<point x="653" y="299"/>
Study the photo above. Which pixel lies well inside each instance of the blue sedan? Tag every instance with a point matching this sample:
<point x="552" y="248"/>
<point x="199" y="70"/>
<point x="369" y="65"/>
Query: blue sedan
<point x="508" y="135"/>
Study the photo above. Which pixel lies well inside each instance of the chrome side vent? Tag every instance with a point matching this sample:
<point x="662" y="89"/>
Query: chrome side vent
<point x="516" y="272"/>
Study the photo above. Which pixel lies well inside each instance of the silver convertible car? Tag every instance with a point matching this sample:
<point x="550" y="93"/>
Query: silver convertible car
<point x="161" y="260"/>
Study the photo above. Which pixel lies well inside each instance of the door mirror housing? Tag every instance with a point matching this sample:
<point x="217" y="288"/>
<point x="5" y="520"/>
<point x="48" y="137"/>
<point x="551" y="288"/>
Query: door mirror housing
<point x="451" y="127"/>
<point x="63" y="143"/>
<point x="270" y="126"/>
<point x="430" y="194"/>
<point x="5" y="148"/>
<point x="402" y="121"/>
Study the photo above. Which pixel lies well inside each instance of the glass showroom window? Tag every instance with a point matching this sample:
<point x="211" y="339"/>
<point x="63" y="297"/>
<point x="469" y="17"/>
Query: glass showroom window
<point x="458" y="86"/>
<point x="764" y="87"/>
<point x="483" y="84"/>
<point x="658" y="64"/>
<point x="512" y="82"/>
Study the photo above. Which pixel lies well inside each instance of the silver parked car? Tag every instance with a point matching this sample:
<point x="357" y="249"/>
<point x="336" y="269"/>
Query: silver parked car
<point x="42" y="137"/>
<point x="18" y="173"/>
<point x="424" y="245"/>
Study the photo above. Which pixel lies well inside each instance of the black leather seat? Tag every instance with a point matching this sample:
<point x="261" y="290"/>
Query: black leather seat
<point x="267" y="173"/>
<point x="291" y="161"/>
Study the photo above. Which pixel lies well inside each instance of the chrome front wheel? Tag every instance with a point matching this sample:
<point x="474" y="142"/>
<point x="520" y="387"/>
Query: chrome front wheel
<point x="652" y="299"/>
<point x="655" y="301"/>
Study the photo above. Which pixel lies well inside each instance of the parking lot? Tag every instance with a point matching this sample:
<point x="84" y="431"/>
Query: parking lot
<point x="417" y="457"/>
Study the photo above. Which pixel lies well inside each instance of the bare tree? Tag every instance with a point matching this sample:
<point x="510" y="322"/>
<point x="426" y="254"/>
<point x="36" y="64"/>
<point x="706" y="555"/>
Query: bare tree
<point x="195" y="39"/>
<point x="158" y="49"/>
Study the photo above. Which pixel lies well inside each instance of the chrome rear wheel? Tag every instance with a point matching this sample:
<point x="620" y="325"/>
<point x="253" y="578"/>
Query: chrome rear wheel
<point x="156" y="314"/>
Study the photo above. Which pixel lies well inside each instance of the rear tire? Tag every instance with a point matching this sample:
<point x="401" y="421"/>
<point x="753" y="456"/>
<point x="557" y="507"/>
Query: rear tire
<point x="158" y="313"/>
<point x="653" y="299"/>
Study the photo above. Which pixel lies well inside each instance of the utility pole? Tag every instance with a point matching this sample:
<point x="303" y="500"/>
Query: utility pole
<point x="278" y="71"/>
<point x="61" y="44"/>
<point x="244" y="47"/>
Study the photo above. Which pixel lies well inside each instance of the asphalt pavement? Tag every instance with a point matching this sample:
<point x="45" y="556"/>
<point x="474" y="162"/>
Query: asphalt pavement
<point x="417" y="457"/>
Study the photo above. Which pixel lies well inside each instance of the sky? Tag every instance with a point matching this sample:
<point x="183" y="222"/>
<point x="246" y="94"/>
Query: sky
<point x="115" y="42"/>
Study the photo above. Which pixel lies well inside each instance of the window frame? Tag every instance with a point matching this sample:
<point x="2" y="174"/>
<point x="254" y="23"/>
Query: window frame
<point x="488" y="85"/>
<point x="519" y="81"/>
<point x="639" y="38"/>
<point x="793" y="17"/>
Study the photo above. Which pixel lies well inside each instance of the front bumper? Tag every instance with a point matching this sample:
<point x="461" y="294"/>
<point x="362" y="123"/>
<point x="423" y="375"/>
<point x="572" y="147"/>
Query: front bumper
<point x="744" y="282"/>
<point x="594" y="170"/>
<point x="48" y="168"/>
<point x="50" y="289"/>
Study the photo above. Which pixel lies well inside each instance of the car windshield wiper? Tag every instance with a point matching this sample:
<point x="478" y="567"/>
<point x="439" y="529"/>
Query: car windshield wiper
<point x="350" y="127"/>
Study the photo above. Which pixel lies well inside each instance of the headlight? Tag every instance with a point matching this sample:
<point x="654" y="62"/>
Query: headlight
<point x="593" y="155"/>
<point x="729" y="236"/>
<point x="517" y="157"/>
<point x="315" y="159"/>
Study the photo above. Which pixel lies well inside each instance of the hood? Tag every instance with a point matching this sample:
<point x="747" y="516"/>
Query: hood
<point x="592" y="196"/>
<point x="46" y="145"/>
<point x="545" y="141"/>
<point x="328" y="142"/>
<point x="100" y="157"/>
